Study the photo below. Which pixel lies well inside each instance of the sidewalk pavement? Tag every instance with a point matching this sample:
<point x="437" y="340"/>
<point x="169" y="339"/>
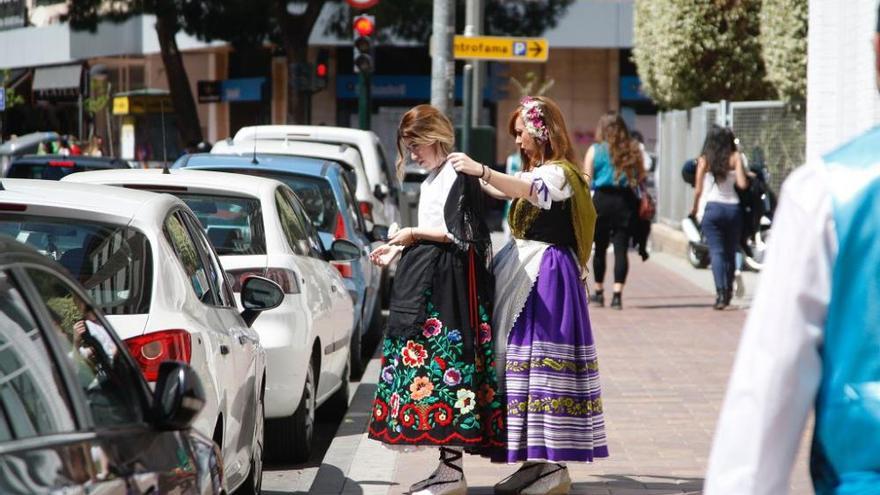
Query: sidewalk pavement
<point x="664" y="363"/>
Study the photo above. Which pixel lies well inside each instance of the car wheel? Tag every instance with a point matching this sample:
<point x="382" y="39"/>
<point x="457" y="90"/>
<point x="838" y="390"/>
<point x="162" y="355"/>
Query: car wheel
<point x="337" y="405"/>
<point x="254" y="482"/>
<point x="290" y="438"/>
<point x="356" y="360"/>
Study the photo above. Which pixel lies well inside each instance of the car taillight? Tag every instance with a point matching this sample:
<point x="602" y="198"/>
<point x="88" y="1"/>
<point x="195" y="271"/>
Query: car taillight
<point x="339" y="231"/>
<point x="152" y="349"/>
<point x="61" y="163"/>
<point x="287" y="279"/>
<point x="366" y="210"/>
<point x="344" y="268"/>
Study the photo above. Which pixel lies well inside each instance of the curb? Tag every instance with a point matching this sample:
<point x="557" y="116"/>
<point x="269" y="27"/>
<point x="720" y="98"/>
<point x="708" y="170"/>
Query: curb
<point x="338" y="472"/>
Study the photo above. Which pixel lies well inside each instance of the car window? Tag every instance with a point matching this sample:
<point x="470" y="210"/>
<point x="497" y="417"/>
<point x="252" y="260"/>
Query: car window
<point x="216" y="275"/>
<point x="113" y="262"/>
<point x="185" y="250"/>
<point x="311" y="235"/>
<point x="351" y="204"/>
<point x="234" y="225"/>
<point x="51" y="169"/>
<point x="93" y="354"/>
<point x="33" y="401"/>
<point x="388" y="169"/>
<point x="293" y="228"/>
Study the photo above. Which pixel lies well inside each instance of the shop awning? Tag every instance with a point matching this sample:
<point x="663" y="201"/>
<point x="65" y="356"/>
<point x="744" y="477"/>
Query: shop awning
<point x="58" y="80"/>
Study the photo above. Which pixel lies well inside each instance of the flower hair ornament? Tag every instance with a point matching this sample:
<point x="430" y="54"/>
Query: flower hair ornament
<point x="533" y="118"/>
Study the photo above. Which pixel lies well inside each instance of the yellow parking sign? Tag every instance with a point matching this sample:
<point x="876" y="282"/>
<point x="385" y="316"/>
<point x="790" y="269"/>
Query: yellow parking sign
<point x="502" y="48"/>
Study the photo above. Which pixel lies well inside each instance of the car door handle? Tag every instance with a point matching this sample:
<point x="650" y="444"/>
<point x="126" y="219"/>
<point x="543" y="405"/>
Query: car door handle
<point x="333" y="288"/>
<point x="224" y="349"/>
<point x="242" y="339"/>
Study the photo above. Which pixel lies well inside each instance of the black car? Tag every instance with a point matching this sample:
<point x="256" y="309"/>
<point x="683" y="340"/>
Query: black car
<point x="54" y="167"/>
<point x="76" y="415"/>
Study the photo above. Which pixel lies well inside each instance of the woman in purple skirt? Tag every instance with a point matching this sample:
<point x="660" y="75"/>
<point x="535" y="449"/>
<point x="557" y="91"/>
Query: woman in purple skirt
<point x="546" y="355"/>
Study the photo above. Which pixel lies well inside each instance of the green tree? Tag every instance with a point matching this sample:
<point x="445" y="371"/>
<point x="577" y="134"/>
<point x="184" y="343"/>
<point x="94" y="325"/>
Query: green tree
<point x="87" y="14"/>
<point x="689" y="51"/>
<point x="247" y="24"/>
<point x="784" y="43"/>
<point x="411" y="20"/>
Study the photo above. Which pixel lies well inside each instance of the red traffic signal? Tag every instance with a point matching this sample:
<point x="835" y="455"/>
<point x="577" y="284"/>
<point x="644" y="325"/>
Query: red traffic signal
<point x="321" y="70"/>
<point x="364" y="25"/>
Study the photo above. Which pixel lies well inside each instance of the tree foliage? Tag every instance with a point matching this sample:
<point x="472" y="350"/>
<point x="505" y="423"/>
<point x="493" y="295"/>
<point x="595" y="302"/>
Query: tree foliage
<point x="784" y="43"/>
<point x="88" y="14"/>
<point x="412" y="20"/>
<point x="689" y="51"/>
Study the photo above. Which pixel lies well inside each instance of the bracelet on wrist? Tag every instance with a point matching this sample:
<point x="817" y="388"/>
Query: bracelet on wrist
<point x="484" y="172"/>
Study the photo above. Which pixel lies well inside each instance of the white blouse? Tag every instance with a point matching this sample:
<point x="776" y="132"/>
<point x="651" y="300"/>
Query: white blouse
<point x="778" y="366"/>
<point x="548" y="185"/>
<point x="432" y="196"/>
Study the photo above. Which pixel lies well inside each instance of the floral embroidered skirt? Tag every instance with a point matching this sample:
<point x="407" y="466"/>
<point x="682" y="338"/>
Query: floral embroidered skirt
<point x="432" y="393"/>
<point x="554" y="405"/>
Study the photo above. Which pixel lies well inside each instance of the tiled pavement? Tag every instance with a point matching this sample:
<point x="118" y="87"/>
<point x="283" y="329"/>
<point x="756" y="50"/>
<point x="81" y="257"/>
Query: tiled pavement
<point x="664" y="362"/>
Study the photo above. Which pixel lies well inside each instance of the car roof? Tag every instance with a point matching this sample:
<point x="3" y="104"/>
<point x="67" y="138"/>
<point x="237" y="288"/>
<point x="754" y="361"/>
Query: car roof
<point x="345" y="154"/>
<point x="270" y="162"/>
<point x="304" y="132"/>
<point x="190" y="178"/>
<point x="26" y="140"/>
<point x="117" y="203"/>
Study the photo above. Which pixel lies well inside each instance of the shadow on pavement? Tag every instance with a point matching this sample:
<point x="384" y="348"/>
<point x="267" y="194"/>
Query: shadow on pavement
<point x="670" y="306"/>
<point x="625" y="483"/>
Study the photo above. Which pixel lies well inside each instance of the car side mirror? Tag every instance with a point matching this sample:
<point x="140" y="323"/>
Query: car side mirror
<point x="344" y="250"/>
<point x="178" y="397"/>
<point x="259" y="294"/>
<point x="379" y="233"/>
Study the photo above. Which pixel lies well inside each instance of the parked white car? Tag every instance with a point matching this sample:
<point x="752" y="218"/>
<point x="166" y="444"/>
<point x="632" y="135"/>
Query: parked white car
<point x="258" y="226"/>
<point x="380" y="190"/>
<point x="145" y="261"/>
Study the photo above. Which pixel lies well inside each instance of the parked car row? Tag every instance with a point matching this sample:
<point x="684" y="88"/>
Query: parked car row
<point x="182" y="262"/>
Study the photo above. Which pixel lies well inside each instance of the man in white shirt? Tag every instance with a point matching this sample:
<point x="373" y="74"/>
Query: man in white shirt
<point x="812" y="338"/>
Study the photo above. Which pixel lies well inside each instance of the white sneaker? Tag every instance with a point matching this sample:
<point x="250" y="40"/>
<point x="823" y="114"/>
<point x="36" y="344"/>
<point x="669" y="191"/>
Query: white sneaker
<point x="436" y="487"/>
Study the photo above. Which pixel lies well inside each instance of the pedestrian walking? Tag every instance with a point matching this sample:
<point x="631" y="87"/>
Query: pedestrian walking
<point x="720" y="168"/>
<point x="438" y="384"/>
<point x="811" y="337"/>
<point x="616" y="167"/>
<point x="545" y="345"/>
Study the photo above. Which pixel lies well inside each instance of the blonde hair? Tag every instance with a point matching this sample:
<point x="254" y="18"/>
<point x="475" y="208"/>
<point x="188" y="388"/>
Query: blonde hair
<point x="424" y="125"/>
<point x="558" y="145"/>
<point x="626" y="157"/>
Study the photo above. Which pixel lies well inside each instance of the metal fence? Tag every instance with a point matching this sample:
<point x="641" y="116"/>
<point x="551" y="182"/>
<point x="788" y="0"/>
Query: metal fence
<point x="770" y="133"/>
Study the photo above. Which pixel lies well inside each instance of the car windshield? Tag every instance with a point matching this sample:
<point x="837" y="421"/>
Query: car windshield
<point x="114" y="263"/>
<point x="52" y="169"/>
<point x="233" y="224"/>
<point x="316" y="195"/>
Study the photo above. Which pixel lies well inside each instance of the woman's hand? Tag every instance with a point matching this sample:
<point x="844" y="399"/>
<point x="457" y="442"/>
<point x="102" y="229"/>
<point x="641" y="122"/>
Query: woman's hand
<point x="383" y="255"/>
<point x="466" y="165"/>
<point x="403" y="237"/>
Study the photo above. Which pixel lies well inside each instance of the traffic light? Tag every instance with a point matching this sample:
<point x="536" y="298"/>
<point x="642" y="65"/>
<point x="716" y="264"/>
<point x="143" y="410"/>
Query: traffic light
<point x="321" y="71"/>
<point x="363" y="26"/>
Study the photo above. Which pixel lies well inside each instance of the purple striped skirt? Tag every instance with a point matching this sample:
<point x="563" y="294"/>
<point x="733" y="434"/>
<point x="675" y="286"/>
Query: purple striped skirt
<point x="554" y="405"/>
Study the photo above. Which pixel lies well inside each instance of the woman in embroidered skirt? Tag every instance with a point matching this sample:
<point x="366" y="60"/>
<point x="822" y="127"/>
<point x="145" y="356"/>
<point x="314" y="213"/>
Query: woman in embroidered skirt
<point x="438" y="384"/>
<point x="551" y="377"/>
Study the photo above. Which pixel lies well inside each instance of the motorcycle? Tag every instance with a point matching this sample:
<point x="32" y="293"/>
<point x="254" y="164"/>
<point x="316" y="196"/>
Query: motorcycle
<point x="758" y="203"/>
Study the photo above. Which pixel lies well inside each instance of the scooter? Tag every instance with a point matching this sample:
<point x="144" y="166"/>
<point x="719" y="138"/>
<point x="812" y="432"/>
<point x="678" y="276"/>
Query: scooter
<point x="758" y="203"/>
